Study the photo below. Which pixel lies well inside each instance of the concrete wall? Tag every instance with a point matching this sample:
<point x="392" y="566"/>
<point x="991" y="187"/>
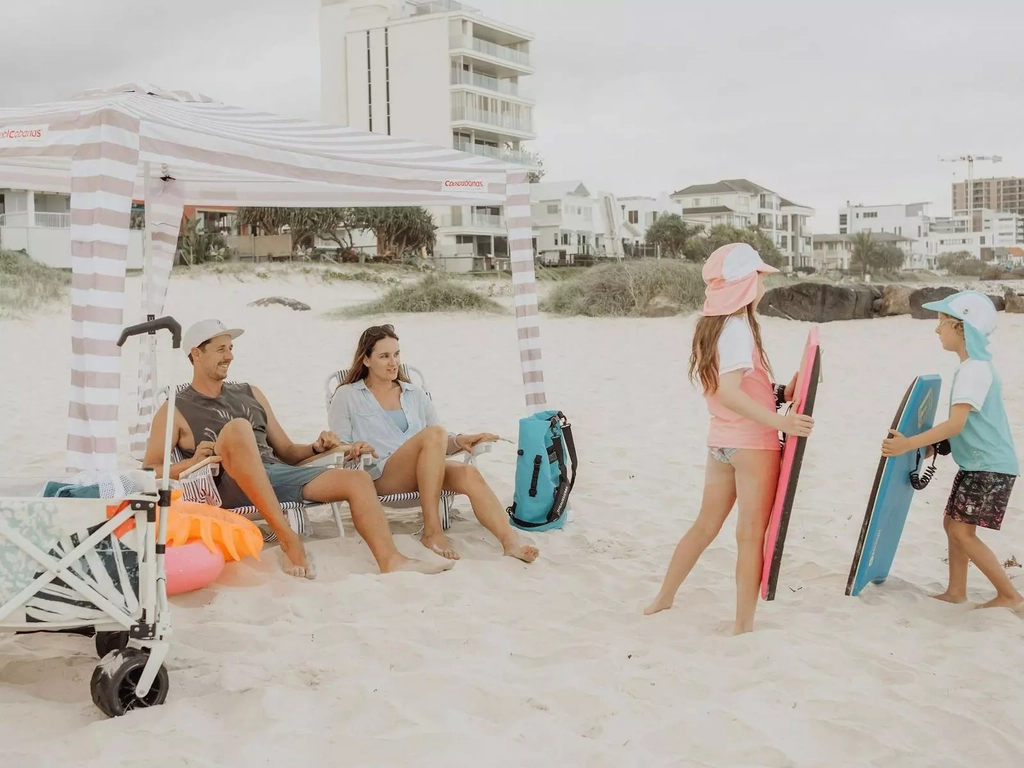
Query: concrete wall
<point x="52" y="247"/>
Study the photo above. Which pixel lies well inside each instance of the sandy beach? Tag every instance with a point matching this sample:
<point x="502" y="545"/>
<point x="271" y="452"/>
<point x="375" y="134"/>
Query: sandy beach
<point x="497" y="663"/>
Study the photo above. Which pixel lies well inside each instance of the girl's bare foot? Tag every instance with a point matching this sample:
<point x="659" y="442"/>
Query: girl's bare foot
<point x="661" y="603"/>
<point x="1013" y="602"/>
<point x="742" y="629"/>
<point x="438" y="543"/>
<point x="951" y="597"/>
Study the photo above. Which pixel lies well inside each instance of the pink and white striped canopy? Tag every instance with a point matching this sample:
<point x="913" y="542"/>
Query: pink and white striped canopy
<point x="100" y="146"/>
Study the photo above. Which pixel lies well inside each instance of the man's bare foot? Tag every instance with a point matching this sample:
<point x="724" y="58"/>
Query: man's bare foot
<point x="406" y="564"/>
<point x="661" y="603"/>
<point x="951" y="597"/>
<point x="438" y="543"/>
<point x="295" y="560"/>
<point x="520" y="551"/>
<point x="1013" y="602"/>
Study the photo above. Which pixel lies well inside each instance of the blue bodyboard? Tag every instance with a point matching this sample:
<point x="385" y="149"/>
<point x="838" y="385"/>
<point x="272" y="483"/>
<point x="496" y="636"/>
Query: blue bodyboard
<point x="892" y="493"/>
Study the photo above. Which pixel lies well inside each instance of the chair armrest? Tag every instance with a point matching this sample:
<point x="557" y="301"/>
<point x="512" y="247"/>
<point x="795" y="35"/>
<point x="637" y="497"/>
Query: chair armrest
<point x="332" y="458"/>
<point x="213" y="462"/>
<point x="478" y="450"/>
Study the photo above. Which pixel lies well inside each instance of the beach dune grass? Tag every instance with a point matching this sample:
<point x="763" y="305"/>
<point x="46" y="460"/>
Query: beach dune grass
<point x="629" y="289"/>
<point x="26" y="285"/>
<point x="434" y="293"/>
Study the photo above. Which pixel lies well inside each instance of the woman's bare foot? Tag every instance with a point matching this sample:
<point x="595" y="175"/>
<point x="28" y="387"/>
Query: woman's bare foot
<point x="951" y="597"/>
<point x="661" y="603"/>
<point x="438" y="543"/>
<point x="1013" y="602"/>
<point x="513" y="547"/>
<point x="401" y="563"/>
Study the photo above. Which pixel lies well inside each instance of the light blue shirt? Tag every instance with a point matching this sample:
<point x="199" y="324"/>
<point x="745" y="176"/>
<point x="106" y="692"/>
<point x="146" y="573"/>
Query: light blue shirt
<point x="356" y="416"/>
<point x="985" y="444"/>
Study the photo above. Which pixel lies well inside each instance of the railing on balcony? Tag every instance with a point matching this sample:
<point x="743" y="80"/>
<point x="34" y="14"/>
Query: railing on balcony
<point x="41" y="219"/>
<point x="503" y="52"/>
<point x="498" y="153"/>
<point x="461" y="77"/>
<point x="441" y="6"/>
<point x="475" y="220"/>
<point x="509" y="122"/>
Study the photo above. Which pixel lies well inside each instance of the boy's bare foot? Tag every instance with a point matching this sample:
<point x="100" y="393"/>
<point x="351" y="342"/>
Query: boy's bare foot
<point x="1013" y="602"/>
<point x="438" y="543"/>
<point x="951" y="597"/>
<point x="661" y="603"/>
<point x="401" y="563"/>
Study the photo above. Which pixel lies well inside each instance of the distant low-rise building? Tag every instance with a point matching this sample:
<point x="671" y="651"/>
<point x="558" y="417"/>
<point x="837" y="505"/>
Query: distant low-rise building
<point x="834" y="253"/>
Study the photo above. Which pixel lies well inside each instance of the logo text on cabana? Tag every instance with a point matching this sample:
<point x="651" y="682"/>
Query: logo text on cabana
<point x="15" y="133"/>
<point x="471" y="183"/>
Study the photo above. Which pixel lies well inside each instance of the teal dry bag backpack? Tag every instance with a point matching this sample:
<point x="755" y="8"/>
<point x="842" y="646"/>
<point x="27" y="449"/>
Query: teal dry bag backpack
<point x="543" y="479"/>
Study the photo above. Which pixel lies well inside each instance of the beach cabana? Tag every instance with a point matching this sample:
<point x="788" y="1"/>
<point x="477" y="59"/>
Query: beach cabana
<point x="173" y="148"/>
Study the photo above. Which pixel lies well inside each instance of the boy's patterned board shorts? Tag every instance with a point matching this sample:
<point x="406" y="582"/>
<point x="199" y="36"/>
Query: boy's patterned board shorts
<point x="980" y="498"/>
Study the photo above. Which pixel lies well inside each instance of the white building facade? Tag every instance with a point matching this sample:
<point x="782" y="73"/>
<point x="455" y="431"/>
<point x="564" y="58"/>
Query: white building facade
<point x="991" y="230"/>
<point x="39" y="224"/>
<point x="566" y="222"/>
<point x="436" y="72"/>
<point x="834" y="253"/>
<point x="912" y="221"/>
<point x="640" y="212"/>
<point x="742" y="203"/>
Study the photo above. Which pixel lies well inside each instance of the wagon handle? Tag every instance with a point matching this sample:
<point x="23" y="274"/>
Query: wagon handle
<point x="151" y="326"/>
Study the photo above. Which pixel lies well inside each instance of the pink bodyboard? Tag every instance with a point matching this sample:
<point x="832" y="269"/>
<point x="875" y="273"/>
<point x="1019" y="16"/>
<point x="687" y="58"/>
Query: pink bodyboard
<point x="789" y="472"/>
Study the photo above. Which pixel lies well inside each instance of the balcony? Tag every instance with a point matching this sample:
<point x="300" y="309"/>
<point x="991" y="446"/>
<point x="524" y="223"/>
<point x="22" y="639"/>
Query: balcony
<point x="501" y="52"/>
<point x="518" y="157"/>
<point x="441" y="6"/>
<point x="472" y="221"/>
<point x="494" y="119"/>
<point x="475" y="79"/>
<point x="41" y="219"/>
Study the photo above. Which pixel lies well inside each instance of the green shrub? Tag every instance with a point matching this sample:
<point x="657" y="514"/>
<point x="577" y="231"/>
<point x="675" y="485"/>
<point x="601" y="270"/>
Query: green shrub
<point x="629" y="288"/>
<point x="1002" y="273"/>
<point x="434" y="293"/>
<point x="26" y="285"/>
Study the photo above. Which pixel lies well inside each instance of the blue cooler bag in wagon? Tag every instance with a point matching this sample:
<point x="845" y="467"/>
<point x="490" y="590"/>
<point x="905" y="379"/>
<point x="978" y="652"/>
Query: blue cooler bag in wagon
<point x="543" y="480"/>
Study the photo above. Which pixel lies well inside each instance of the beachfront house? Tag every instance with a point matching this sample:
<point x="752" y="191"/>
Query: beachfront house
<point x="565" y="227"/>
<point x="834" y="253"/>
<point x="742" y="203"/>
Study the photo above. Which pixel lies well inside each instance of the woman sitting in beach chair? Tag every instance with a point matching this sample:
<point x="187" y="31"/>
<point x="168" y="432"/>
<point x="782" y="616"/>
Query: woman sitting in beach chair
<point x="377" y="404"/>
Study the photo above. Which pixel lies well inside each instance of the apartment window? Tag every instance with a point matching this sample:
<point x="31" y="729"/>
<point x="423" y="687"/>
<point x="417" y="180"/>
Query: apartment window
<point x="842" y="230"/>
<point x="871" y="214"/>
<point x="553" y="209"/>
<point x="634" y="217"/>
<point x="369" y="81"/>
<point x="695" y="202"/>
<point x="785" y="242"/>
<point x="565" y="238"/>
<point x="842" y="220"/>
<point x="387" y="78"/>
<point x="714" y="201"/>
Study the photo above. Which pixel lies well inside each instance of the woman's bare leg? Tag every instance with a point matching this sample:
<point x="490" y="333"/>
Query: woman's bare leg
<point x="419" y="465"/>
<point x="466" y="479"/>
<point x="719" y="497"/>
<point x="757" y="477"/>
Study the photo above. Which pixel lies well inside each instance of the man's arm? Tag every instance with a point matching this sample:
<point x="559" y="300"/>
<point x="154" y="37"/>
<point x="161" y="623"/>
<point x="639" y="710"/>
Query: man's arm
<point x="154" y="457"/>
<point x="286" y="450"/>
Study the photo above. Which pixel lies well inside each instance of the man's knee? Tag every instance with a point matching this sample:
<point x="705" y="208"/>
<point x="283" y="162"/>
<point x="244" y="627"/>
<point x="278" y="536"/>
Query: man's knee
<point x="235" y="432"/>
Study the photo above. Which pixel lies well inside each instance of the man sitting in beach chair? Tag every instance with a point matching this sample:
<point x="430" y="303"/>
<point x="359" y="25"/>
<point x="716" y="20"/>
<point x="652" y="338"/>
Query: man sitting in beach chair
<point x="233" y="424"/>
<point x="375" y="402"/>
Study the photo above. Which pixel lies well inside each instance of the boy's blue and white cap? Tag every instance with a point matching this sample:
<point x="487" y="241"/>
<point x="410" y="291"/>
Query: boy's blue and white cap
<point x="978" y="314"/>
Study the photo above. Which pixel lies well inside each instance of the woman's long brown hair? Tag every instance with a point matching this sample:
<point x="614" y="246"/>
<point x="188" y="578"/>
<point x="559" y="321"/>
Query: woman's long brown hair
<point x="364" y="349"/>
<point x="704" y="351"/>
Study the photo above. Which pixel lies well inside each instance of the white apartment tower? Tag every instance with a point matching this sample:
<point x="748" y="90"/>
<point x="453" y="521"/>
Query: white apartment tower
<point x="437" y="72"/>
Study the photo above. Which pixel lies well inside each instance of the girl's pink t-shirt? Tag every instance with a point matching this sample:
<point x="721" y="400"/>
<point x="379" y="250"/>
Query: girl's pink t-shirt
<point x="737" y="351"/>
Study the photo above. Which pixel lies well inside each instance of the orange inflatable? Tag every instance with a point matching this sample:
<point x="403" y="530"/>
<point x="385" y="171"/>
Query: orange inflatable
<point x="219" y="529"/>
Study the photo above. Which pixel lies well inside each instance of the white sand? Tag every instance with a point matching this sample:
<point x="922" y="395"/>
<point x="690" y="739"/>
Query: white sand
<point x="498" y="663"/>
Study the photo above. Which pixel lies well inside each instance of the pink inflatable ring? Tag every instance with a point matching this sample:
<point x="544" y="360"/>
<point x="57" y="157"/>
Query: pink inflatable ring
<point x="191" y="566"/>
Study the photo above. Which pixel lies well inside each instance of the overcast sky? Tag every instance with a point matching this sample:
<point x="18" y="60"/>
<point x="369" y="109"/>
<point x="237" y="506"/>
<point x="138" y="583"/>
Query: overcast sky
<point x="818" y="100"/>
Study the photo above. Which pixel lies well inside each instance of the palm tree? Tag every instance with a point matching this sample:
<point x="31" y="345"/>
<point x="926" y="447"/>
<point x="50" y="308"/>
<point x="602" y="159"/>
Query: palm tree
<point x="864" y="247"/>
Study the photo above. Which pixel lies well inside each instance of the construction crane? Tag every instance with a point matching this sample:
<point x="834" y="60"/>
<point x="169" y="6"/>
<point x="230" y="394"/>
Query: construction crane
<point x="969" y="159"/>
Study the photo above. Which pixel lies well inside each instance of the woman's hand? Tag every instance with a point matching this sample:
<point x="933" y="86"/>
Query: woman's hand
<point x="469" y="442"/>
<point x="356" y="450"/>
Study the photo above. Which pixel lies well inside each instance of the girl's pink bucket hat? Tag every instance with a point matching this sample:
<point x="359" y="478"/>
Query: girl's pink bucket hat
<point x="730" y="274"/>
